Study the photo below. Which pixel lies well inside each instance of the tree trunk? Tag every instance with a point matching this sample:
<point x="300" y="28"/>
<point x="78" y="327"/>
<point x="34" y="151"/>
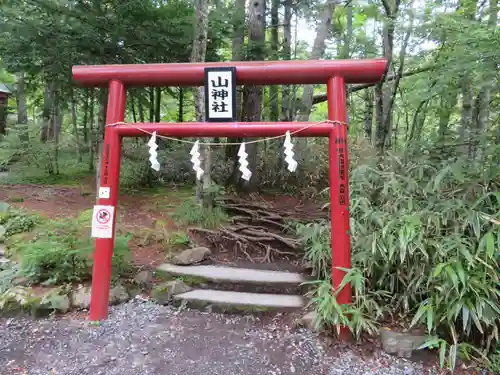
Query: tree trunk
<point x="22" y="107"/>
<point x="252" y="95"/>
<point x="57" y="123"/>
<point x="383" y="93"/>
<point x="75" y="123"/>
<point x="238" y="39"/>
<point x="318" y="50"/>
<point x="101" y="124"/>
<point x="198" y="54"/>
<point x="180" y="110"/>
<point x="273" y="90"/>
<point x="368" y="99"/>
<point x="92" y="131"/>
<point x="484" y="96"/>
<point x="3" y="114"/>
<point x="86" y="117"/>
<point x="392" y="92"/>
<point x="466" y="115"/>
<point x="151" y="104"/>
<point x="447" y="106"/>
<point x="158" y="105"/>
<point x="140" y="106"/>
<point x="48" y="103"/>
<point x="286" y="101"/>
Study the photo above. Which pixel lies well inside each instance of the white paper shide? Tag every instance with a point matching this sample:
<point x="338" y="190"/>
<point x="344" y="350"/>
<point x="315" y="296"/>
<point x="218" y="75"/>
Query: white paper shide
<point x="195" y="159"/>
<point x="220" y="94"/>
<point x="153" y="154"/>
<point x="289" y="154"/>
<point x="242" y="160"/>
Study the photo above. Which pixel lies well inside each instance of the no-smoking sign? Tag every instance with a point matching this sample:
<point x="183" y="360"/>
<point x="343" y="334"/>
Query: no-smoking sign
<point x="102" y="222"/>
<point x="103" y="216"/>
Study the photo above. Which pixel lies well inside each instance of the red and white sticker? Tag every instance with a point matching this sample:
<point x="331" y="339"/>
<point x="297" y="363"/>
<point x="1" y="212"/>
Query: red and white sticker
<point x="102" y="221"/>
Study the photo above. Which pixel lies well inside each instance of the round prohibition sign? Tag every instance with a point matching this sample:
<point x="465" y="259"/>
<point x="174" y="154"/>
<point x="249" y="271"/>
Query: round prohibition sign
<point x="103" y="216"/>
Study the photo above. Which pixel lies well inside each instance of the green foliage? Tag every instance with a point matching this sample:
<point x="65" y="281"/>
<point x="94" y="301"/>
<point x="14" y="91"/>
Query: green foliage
<point x="39" y="162"/>
<point x="19" y="223"/>
<point x="61" y="253"/>
<point x="425" y="241"/>
<point x="14" y="221"/>
<point x="179" y="238"/>
<point x="55" y="300"/>
<point x="495" y="361"/>
<point x="192" y="213"/>
<point x="315" y="238"/>
<point x="7" y="276"/>
<point x="17" y="299"/>
<point x="161" y="233"/>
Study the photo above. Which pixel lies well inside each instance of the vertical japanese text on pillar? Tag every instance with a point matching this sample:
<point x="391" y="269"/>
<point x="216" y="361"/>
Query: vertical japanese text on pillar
<point x="341" y="144"/>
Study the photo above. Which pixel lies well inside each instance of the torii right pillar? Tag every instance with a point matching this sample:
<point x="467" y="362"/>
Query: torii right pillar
<point x="339" y="190"/>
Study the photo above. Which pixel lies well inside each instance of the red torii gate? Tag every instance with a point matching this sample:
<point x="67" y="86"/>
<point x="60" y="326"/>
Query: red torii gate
<point x="335" y="74"/>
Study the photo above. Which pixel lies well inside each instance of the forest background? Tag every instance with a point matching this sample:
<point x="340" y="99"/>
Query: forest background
<point x="424" y="142"/>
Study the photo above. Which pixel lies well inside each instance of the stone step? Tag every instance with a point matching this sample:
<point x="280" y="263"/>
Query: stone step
<point x="229" y="300"/>
<point x="235" y="275"/>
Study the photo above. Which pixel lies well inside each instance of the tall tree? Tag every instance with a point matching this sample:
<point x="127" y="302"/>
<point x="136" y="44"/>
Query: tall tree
<point x="198" y="53"/>
<point x="318" y="50"/>
<point x="252" y="95"/>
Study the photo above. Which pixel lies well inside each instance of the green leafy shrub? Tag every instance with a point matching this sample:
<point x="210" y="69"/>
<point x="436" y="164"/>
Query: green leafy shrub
<point x="179" y="238"/>
<point x="191" y="213"/>
<point x="19" y="222"/>
<point x="7" y="276"/>
<point x="495" y="361"/>
<point x="40" y="162"/>
<point x="425" y="242"/>
<point x="61" y="253"/>
<point x="14" y="221"/>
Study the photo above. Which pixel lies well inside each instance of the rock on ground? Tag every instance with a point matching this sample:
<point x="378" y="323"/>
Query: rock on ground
<point x="162" y="293"/>
<point x="80" y="298"/>
<point x="144" y="279"/>
<point x="142" y="338"/>
<point x="191" y="256"/>
<point x="118" y="294"/>
<point x="309" y="320"/>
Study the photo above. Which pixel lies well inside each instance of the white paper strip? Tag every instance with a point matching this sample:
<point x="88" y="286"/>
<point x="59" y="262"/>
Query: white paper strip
<point x="288" y="145"/>
<point x="242" y="160"/>
<point x="153" y="155"/>
<point x="195" y="159"/>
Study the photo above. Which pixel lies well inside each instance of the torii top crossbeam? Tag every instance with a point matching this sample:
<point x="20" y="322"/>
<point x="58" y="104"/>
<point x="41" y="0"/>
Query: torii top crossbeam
<point x="295" y="72"/>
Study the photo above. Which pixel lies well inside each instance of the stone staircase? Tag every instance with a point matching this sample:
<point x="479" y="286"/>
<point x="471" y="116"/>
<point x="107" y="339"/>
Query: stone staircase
<point x="233" y="288"/>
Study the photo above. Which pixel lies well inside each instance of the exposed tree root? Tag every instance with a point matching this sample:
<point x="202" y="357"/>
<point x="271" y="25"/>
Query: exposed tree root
<point x="259" y="230"/>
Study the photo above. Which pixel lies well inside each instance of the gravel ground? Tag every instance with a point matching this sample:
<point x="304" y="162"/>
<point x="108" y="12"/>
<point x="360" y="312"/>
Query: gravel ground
<point x="141" y="338"/>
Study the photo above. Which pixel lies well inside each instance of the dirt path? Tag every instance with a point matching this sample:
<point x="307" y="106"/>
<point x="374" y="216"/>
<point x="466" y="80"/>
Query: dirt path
<point x="146" y="339"/>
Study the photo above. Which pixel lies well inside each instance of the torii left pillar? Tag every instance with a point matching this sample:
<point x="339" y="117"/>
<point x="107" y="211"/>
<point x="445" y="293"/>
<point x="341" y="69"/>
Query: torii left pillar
<point x="110" y="177"/>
